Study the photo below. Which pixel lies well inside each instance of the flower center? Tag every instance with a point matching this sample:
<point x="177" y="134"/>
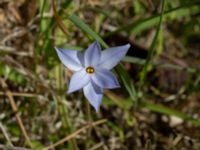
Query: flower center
<point x="90" y="70"/>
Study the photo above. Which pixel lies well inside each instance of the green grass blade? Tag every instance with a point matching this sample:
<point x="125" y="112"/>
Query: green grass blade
<point x="139" y="61"/>
<point x="43" y="6"/>
<point x="168" y="111"/>
<point x="79" y="23"/>
<point x="141" y="25"/>
<point x="127" y="82"/>
<point x="151" y="50"/>
<point x="158" y="108"/>
<point x="134" y="60"/>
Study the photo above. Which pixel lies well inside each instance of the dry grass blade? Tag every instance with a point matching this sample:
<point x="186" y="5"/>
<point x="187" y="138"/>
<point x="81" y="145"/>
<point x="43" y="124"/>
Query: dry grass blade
<point x="57" y="17"/>
<point x="76" y="133"/>
<point x="15" y="110"/>
<point x="21" y="94"/>
<point x="19" y="120"/>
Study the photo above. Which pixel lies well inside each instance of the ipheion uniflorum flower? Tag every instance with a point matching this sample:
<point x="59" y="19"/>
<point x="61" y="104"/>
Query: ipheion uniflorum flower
<point x="92" y="70"/>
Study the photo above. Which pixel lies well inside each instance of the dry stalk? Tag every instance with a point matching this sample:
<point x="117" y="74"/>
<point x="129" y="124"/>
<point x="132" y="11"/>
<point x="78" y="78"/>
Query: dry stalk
<point x="75" y="133"/>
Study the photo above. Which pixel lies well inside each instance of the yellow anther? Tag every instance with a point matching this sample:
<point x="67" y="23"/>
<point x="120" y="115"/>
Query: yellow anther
<point x="90" y="70"/>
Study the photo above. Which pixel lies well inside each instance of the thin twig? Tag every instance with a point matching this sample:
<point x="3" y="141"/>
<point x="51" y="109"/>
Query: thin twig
<point x="75" y="133"/>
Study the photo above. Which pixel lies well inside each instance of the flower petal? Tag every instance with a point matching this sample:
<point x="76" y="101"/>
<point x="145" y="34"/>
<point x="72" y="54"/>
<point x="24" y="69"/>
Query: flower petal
<point x="79" y="80"/>
<point x="105" y="79"/>
<point x="92" y="55"/>
<point x="94" y="98"/>
<point x="69" y="58"/>
<point x="97" y="89"/>
<point x="110" y="57"/>
<point x="81" y="58"/>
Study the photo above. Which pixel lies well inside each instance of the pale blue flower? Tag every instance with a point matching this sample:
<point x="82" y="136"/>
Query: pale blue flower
<point x="92" y="70"/>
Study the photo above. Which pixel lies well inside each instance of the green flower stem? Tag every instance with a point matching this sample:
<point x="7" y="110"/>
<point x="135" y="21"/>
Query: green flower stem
<point x="89" y="119"/>
<point x="64" y="113"/>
